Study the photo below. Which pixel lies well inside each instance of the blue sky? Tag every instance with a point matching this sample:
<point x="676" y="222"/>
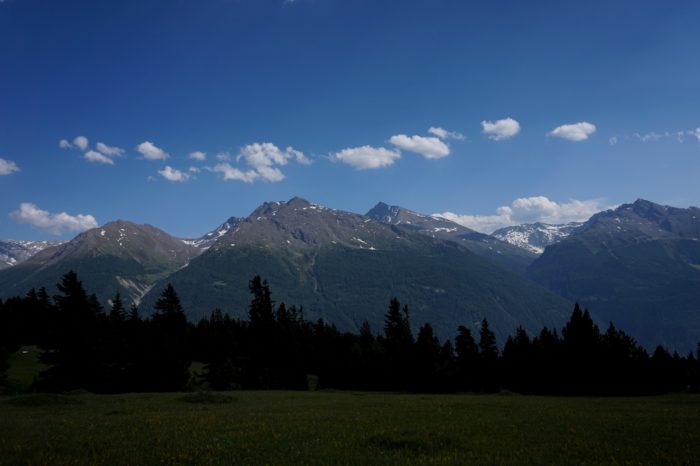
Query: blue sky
<point x="559" y="109"/>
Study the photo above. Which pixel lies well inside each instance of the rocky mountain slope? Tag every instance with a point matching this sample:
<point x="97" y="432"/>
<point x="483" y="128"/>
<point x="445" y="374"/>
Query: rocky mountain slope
<point x="13" y="252"/>
<point x="205" y="241"/>
<point x="509" y="256"/>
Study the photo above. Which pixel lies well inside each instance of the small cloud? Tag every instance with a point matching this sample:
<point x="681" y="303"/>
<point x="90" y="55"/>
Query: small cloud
<point x="151" y="152"/>
<point x="81" y="142"/>
<point x="198" y="155"/>
<point x="529" y="210"/>
<point x="55" y="224"/>
<point x="64" y="144"/>
<point x="8" y="167"/>
<point x="696" y="133"/>
<point x="263" y="158"/>
<point x="367" y="157"/>
<point x="613" y="140"/>
<point x="649" y="137"/>
<point x="109" y="150"/>
<point x="170" y="174"/>
<point x="94" y="156"/>
<point x="444" y="134"/>
<point x="574" y="132"/>
<point x="194" y="169"/>
<point x="223" y="156"/>
<point x="500" y="130"/>
<point x="232" y="173"/>
<point x="428" y="147"/>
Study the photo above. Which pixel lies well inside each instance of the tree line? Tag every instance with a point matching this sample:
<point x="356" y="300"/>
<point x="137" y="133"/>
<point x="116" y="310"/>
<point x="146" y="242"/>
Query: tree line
<point x="118" y="350"/>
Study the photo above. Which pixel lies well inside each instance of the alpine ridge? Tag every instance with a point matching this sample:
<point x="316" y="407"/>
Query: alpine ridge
<point x="638" y="266"/>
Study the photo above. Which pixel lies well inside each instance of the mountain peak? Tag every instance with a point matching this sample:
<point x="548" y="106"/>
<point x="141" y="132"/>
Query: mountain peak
<point x="383" y="212"/>
<point x="298" y="202"/>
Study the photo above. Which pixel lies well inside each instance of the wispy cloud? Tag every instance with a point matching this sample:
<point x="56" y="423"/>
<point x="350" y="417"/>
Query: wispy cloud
<point x="428" y="147"/>
<point x="444" y="134"/>
<point x="500" y="130"/>
<point x="367" y="157"/>
<point x="575" y="132"/>
<point x="55" y="224"/>
<point x="8" y="167"/>
<point x="103" y="154"/>
<point x="530" y="210"/>
<point x="152" y="152"/>
<point x="111" y="151"/>
<point x="94" y="156"/>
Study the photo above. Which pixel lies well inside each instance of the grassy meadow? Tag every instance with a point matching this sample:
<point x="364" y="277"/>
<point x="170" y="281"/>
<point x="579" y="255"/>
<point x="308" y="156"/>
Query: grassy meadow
<point x="327" y="427"/>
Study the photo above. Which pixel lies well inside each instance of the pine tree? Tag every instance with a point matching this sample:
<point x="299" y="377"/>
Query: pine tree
<point x="398" y="345"/>
<point x="426" y="360"/>
<point x="488" y="358"/>
<point x="487" y="343"/>
<point x="260" y="310"/>
<point x="117" y="315"/>
<point x="168" y="344"/>
<point x="74" y="350"/>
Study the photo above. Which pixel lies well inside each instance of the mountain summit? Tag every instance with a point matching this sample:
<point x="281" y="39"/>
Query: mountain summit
<point x="118" y="256"/>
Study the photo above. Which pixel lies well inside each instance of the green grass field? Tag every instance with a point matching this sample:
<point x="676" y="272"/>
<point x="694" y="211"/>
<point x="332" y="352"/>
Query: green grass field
<point x="326" y="427"/>
<point x="346" y="427"/>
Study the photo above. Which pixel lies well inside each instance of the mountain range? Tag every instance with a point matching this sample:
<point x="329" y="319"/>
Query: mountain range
<point x="637" y="265"/>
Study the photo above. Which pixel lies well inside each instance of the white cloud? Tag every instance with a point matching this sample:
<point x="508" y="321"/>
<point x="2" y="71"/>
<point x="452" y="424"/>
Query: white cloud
<point x="575" y="132"/>
<point x="7" y="167"/>
<point x="198" y="155"/>
<point x="53" y="223"/>
<point x="613" y="140"/>
<point x="151" y="152"/>
<point x="94" y="156"/>
<point x="170" y="174"/>
<point x="262" y="157"/>
<point x="231" y="173"/>
<point x="194" y="169"/>
<point x="81" y="142"/>
<point x="529" y="210"/>
<point x="696" y="133"/>
<point x="444" y="134"/>
<point x="649" y="137"/>
<point x="109" y="150"/>
<point x="367" y="157"/>
<point x="500" y="130"/>
<point x="64" y="144"/>
<point x="263" y="160"/>
<point x="428" y="147"/>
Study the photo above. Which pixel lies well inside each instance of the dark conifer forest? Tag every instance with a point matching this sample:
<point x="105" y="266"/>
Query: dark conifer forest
<point x="123" y="349"/>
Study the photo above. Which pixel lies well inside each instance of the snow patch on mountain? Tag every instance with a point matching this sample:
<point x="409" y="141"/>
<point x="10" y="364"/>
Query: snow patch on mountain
<point x="13" y="252"/>
<point x="536" y="236"/>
